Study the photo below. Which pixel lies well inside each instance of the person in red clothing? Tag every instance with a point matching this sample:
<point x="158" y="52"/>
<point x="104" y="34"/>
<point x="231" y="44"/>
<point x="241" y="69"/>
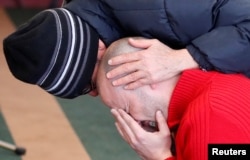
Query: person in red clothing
<point x="200" y="108"/>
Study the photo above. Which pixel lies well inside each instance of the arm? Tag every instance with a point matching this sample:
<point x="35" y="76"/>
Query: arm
<point x="217" y="40"/>
<point x="148" y="145"/>
<point x="155" y="63"/>
<point x="226" y="46"/>
<point x="225" y="49"/>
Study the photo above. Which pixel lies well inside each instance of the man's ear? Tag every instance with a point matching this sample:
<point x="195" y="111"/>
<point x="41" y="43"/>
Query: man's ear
<point x="101" y="50"/>
<point x="101" y="45"/>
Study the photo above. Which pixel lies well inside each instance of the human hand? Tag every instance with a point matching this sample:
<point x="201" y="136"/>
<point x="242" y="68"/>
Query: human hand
<point x="148" y="145"/>
<point x="155" y="63"/>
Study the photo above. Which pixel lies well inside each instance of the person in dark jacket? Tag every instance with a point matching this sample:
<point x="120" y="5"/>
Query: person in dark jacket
<point x="215" y="34"/>
<point x="212" y="35"/>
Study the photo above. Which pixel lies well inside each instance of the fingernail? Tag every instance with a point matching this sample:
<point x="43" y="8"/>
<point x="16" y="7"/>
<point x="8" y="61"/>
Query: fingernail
<point x="109" y="62"/>
<point x="108" y="75"/>
<point x="114" y="83"/>
<point x="159" y="112"/>
<point x="112" y="110"/>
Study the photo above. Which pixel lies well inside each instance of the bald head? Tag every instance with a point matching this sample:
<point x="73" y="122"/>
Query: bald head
<point x="138" y="102"/>
<point x="118" y="47"/>
<point x="104" y="85"/>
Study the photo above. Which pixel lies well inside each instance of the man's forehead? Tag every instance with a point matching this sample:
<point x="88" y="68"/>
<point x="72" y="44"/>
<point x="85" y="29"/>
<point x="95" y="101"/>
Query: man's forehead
<point x="113" y="98"/>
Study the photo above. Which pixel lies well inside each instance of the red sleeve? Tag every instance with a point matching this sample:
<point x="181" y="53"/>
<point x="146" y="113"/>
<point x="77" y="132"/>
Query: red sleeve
<point x="170" y="158"/>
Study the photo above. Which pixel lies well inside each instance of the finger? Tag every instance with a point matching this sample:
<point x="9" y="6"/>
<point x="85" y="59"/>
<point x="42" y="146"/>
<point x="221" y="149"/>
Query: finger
<point x="136" y="84"/>
<point x="123" y="126"/>
<point x="120" y="131"/>
<point x="124" y="136"/>
<point x="140" y="43"/>
<point x="123" y="58"/>
<point x="122" y="69"/>
<point x="133" y="126"/>
<point x="115" y="113"/>
<point x="131" y="77"/>
<point x="162" y="124"/>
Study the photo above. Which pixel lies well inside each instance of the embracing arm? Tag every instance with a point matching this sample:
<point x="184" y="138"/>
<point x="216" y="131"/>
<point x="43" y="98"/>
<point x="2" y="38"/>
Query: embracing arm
<point x="226" y="47"/>
<point x="221" y="42"/>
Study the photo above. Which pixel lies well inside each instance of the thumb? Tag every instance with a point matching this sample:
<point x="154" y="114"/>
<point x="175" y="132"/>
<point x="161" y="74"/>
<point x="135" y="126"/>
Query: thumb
<point x="162" y="124"/>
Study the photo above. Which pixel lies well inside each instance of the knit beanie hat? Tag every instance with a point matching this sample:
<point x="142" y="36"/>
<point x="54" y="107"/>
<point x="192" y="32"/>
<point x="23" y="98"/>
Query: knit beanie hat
<point x="55" y="50"/>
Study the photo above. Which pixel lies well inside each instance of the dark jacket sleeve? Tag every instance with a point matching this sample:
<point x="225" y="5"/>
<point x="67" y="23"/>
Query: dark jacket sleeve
<point x="226" y="47"/>
<point x="215" y="32"/>
<point x="97" y="15"/>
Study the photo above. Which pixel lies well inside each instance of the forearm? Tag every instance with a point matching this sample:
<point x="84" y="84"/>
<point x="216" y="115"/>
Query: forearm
<point x="186" y="60"/>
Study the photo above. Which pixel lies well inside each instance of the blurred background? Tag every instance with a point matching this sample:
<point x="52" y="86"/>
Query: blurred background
<point x="51" y="128"/>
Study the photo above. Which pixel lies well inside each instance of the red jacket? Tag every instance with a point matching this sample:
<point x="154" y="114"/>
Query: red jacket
<point x="209" y="107"/>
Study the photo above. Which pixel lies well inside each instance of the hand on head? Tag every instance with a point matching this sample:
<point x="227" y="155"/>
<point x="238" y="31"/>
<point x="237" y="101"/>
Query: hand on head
<point x="155" y="63"/>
